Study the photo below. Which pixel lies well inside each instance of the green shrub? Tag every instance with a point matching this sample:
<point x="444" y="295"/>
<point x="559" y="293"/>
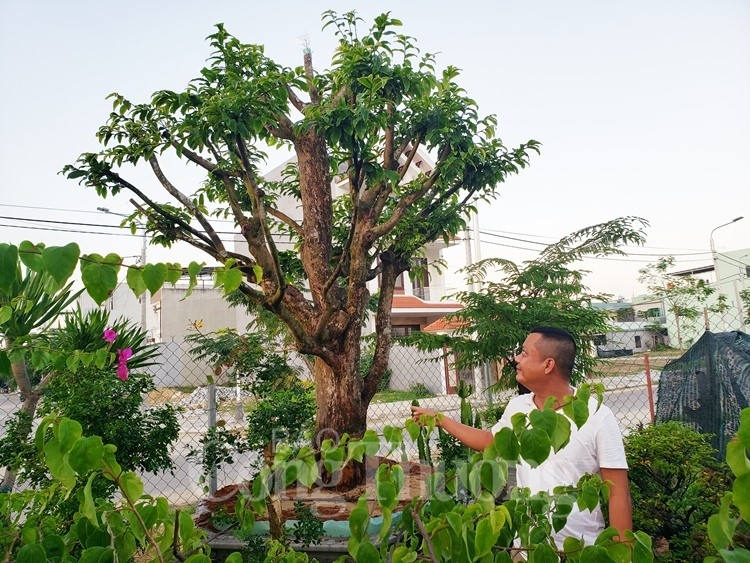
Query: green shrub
<point x="365" y="362"/>
<point x="676" y="483"/>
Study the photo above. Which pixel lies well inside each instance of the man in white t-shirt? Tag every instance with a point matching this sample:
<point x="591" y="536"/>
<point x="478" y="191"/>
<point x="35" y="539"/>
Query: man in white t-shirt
<point x="544" y="366"/>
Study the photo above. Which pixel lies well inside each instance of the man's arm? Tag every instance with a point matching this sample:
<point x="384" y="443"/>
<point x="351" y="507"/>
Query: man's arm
<point x="474" y="438"/>
<point x="620" y="507"/>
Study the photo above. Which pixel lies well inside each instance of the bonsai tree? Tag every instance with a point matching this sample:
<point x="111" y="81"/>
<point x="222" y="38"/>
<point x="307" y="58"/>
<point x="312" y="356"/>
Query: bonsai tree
<point x="362" y="123"/>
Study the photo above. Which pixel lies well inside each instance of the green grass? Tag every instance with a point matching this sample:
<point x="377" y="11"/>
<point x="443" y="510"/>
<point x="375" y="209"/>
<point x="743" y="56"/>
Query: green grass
<point x="629" y="365"/>
<point x="392" y="395"/>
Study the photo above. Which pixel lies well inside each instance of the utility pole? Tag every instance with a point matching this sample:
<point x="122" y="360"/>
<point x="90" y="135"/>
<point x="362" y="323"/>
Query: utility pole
<point x="716" y="268"/>
<point x="142" y="298"/>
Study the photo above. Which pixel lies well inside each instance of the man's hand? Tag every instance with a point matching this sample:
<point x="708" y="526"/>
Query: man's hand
<point x="417" y="412"/>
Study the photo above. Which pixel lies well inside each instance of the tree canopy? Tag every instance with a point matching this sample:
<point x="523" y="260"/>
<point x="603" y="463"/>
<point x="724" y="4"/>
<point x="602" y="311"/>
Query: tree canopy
<point x="353" y="208"/>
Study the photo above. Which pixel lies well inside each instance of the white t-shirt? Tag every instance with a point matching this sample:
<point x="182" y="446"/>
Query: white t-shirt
<point x="597" y="444"/>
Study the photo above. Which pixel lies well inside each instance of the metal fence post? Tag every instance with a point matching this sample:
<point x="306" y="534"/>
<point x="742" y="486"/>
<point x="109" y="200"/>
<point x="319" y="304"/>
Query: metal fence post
<point x="212" y="485"/>
<point x="648" y="388"/>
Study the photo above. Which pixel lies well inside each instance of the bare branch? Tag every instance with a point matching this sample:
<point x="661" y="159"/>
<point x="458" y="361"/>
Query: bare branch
<point x="253" y="191"/>
<point x="425" y="535"/>
<point x="296" y="102"/>
<point x="284" y="218"/>
<point x="113" y="176"/>
<point x="310" y="75"/>
<point x="195" y="157"/>
<point x="184" y="200"/>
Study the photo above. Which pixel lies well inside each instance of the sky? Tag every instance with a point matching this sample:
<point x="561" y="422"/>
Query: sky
<point x="642" y="108"/>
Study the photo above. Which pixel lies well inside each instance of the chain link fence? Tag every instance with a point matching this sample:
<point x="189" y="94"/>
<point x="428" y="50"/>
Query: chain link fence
<point x="631" y="360"/>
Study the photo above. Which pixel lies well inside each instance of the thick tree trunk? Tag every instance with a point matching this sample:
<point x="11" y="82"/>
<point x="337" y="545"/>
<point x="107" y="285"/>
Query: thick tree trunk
<point x="341" y="409"/>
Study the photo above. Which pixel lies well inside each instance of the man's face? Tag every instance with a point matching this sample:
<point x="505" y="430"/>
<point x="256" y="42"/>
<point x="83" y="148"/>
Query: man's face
<point x="531" y="362"/>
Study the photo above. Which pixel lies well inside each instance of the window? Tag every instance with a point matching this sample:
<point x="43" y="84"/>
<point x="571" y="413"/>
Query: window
<point x="600" y="340"/>
<point x="403" y="330"/>
<point x="638" y="342"/>
<point x="421" y="283"/>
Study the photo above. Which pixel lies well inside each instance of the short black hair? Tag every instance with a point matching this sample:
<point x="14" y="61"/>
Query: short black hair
<point x="563" y="346"/>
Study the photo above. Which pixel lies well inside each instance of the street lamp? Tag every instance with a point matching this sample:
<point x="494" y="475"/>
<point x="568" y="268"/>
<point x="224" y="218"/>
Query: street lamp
<point x="714" y="255"/>
<point x="142" y="299"/>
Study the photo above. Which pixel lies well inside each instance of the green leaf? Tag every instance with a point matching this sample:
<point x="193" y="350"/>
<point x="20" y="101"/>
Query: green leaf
<point x="741" y="490"/>
<point x="455" y="522"/>
<point x="535" y="446"/>
<point x="87" y="507"/>
<point x="545" y="420"/>
<point x="68" y="432"/>
<point x="8" y="266"/>
<point x="577" y="411"/>
<point x="134" y="277"/>
<point x="31" y="553"/>
<point x="366" y="553"/>
<point x="60" y="261"/>
<point x="154" y="276"/>
<point x="594" y="554"/>
<point x="506" y="444"/>
<point x="484" y="538"/>
<point x="543" y="554"/>
<point x="738" y="555"/>
<point x="97" y="554"/>
<point x="387" y="494"/>
<point x="561" y="435"/>
<point x="359" y="519"/>
<point x="100" y="280"/>
<point x="743" y="433"/>
<point x="187" y="527"/>
<point x="57" y="464"/>
<point x="5" y="366"/>
<point x="371" y="441"/>
<point x="6" y="313"/>
<point x="232" y="280"/>
<point x="86" y="454"/>
<point x="174" y="273"/>
<point x="131" y="485"/>
<point x="54" y="546"/>
<point x="125" y="546"/>
<point x="31" y="256"/>
<point x="258" y="273"/>
<point x="619" y="552"/>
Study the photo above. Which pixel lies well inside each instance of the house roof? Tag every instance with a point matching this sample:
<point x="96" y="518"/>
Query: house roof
<point x="412" y="302"/>
<point x="443" y="324"/>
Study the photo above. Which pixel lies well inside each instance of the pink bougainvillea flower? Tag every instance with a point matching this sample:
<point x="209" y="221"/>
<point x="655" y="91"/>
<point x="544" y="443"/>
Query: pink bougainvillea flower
<point x="109" y="335"/>
<point x="122" y="362"/>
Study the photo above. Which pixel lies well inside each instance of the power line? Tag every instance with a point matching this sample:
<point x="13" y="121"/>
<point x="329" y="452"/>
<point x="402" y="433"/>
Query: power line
<point x="481" y="232"/>
<point x="492" y="234"/>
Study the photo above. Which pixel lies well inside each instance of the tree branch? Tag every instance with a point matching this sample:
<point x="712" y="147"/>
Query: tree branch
<point x="425" y="535"/>
<point x="310" y="75"/>
<point x="254" y="193"/>
<point x="185" y="201"/>
<point x="284" y="218"/>
<point x="296" y="102"/>
<point x="113" y="176"/>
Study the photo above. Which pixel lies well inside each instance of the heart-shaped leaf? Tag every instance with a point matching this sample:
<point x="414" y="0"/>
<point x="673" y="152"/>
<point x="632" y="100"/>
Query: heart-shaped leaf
<point x="154" y="276"/>
<point x="60" y="261"/>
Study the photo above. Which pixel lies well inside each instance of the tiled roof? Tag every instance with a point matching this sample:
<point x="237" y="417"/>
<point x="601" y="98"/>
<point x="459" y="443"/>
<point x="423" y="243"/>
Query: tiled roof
<point x="443" y="324"/>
